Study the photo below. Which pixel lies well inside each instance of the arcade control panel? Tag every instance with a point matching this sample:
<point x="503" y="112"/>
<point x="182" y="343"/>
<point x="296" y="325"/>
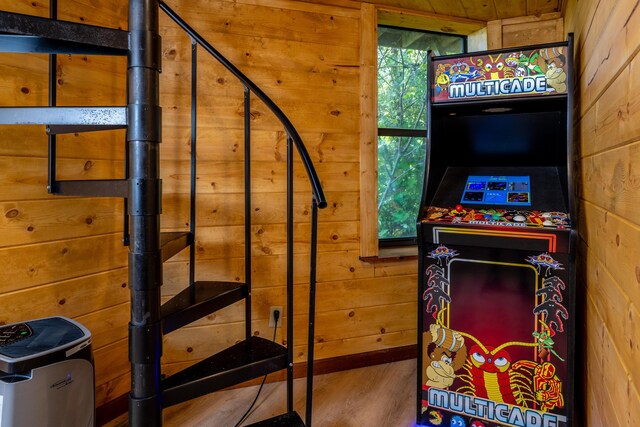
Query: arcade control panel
<point x="515" y="197"/>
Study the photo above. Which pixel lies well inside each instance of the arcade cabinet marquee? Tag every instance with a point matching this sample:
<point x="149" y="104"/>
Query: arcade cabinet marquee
<point x="497" y="241"/>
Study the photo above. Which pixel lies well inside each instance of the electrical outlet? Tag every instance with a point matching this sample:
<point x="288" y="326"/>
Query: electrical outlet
<point x="272" y="320"/>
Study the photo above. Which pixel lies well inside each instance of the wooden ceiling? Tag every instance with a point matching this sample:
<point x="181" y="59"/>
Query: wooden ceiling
<point x="482" y="10"/>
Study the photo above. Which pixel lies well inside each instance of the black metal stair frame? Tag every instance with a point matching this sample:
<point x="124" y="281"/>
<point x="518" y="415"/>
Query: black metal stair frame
<point x="31" y="34"/>
<point x="141" y="189"/>
<point x="212" y="380"/>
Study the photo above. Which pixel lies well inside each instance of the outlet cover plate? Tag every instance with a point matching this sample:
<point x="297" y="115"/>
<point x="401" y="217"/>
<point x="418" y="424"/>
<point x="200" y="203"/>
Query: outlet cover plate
<point x="272" y="320"/>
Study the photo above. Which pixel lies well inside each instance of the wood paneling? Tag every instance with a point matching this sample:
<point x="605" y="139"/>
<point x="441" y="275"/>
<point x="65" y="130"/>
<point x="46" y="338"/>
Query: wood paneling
<point x="611" y="181"/>
<point x="70" y="298"/>
<point x="610" y="50"/>
<point x="64" y="255"/>
<point x="37" y="221"/>
<point x="112" y="371"/>
<point x="225" y="144"/>
<point x="398" y="17"/>
<point x="310" y="26"/>
<point x="473" y="9"/>
<point x="532" y="33"/>
<point x="270" y="270"/>
<point x="368" y="134"/>
<point x="28" y="182"/>
<point x="33" y="265"/>
<point x="614" y="243"/>
<point x="228" y="209"/>
<point x="108" y="145"/>
<point x="525" y="31"/>
<point x="607" y="42"/>
<point x="327" y="85"/>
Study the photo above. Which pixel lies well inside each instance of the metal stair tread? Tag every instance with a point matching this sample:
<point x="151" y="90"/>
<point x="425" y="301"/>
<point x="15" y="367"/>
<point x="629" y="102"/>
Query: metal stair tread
<point x="65" y="129"/>
<point x="28" y="33"/>
<point x="86" y="116"/>
<point x="241" y="362"/>
<point x="93" y="188"/>
<point x="173" y="242"/>
<point x="199" y="300"/>
<point x="290" y="419"/>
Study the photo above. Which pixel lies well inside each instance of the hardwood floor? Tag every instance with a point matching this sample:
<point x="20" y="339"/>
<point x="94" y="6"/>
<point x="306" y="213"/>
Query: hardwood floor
<point x="380" y="396"/>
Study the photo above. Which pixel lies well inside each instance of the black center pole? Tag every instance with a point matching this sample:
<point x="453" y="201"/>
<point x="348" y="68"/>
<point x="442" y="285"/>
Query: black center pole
<point x="53" y="100"/>
<point x="145" y="260"/>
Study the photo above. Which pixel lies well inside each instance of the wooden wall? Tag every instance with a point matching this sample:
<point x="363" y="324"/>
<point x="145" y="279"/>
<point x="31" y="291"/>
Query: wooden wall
<point x="307" y="57"/>
<point x="607" y="154"/>
<point x="64" y="255"/>
<point x="525" y="30"/>
<point x="607" y="35"/>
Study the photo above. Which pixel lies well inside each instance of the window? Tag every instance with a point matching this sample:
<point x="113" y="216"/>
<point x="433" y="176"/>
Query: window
<point x="402" y="92"/>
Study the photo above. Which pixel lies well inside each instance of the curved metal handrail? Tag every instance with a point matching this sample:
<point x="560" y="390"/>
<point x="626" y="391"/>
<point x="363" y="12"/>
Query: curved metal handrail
<point x="318" y="193"/>
<point x="318" y="201"/>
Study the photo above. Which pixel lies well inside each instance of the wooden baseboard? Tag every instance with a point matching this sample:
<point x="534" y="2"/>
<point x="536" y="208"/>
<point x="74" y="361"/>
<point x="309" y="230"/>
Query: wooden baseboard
<point x="118" y="406"/>
<point x="112" y="409"/>
<point x="361" y="360"/>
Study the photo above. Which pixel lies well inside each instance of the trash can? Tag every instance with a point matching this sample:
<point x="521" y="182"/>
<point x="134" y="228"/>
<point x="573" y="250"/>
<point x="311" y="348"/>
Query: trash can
<point x="46" y="374"/>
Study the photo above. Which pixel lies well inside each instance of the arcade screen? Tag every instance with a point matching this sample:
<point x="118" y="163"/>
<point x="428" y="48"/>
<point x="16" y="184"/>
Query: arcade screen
<point x="497" y="190"/>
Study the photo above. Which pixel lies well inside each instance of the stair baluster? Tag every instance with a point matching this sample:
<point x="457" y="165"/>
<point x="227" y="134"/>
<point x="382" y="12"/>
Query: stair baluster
<point x="148" y="247"/>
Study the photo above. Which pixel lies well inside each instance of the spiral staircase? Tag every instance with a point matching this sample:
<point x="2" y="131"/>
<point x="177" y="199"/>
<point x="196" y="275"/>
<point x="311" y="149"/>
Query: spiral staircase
<point x="149" y="247"/>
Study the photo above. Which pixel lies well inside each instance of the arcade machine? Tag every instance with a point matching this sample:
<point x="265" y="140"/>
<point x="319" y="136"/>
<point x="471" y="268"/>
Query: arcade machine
<point x="497" y="241"/>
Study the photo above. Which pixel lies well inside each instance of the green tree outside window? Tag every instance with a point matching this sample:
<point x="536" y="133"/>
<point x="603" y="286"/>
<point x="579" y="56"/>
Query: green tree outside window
<point x="402" y="95"/>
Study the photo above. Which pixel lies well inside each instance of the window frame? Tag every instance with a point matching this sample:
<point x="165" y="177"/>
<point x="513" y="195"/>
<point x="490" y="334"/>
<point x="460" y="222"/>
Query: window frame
<point x="371" y="16"/>
<point x="391" y="242"/>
